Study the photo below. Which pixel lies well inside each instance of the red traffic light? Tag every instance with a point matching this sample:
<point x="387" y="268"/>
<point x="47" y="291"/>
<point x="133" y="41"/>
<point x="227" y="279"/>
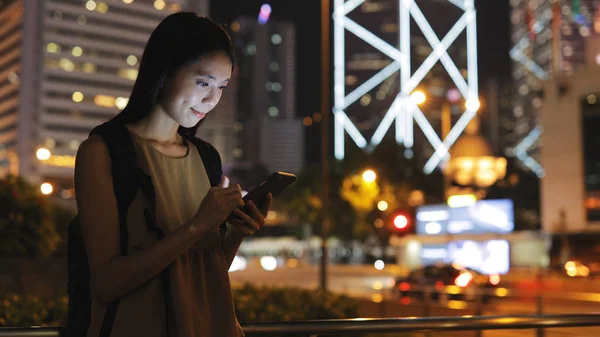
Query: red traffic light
<point x="401" y="221"/>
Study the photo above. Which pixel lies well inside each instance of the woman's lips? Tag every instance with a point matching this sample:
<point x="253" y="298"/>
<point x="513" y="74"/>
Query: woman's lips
<point x="198" y="113"/>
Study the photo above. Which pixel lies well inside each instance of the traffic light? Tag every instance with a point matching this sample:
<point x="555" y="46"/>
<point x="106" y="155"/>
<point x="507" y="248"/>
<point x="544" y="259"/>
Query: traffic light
<point x="401" y="221"/>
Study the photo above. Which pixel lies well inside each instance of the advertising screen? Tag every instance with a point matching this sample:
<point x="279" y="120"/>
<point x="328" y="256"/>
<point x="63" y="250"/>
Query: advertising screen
<point x="485" y="216"/>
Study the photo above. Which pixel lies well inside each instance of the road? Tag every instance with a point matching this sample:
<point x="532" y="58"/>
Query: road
<point x="368" y="283"/>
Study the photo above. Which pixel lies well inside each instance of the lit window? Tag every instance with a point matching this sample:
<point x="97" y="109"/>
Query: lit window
<point x="66" y="64"/>
<point x="127" y="1"/>
<point x="104" y="101"/>
<point x="237" y="153"/>
<point x="235" y="26"/>
<point x="276" y="87"/>
<point x="77" y="96"/>
<point x="276" y="39"/>
<point x="90" y="5"/>
<point x="159" y="4"/>
<point x="132" y="60"/>
<point x="130" y="74"/>
<point x="53" y="48"/>
<point x="102" y="7"/>
<point x="89" y="67"/>
<point x="251" y="49"/>
<point x="74" y="145"/>
<point x="365" y="100"/>
<point x="77" y="51"/>
<point x="13" y="77"/>
<point x="307" y="121"/>
<point x="175" y="7"/>
<point x="50" y="143"/>
<point x="82" y="20"/>
<point x="273" y="111"/>
<point x="274" y="66"/>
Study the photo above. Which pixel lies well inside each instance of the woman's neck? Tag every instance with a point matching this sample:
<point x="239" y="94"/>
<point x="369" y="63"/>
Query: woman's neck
<point x="158" y="127"/>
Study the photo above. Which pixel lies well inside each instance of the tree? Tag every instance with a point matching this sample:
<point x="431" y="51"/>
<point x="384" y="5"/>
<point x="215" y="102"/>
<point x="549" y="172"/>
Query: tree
<point x="303" y="202"/>
<point x="27" y="222"/>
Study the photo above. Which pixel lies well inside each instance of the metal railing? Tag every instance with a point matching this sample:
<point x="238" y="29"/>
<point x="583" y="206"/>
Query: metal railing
<point x="371" y="325"/>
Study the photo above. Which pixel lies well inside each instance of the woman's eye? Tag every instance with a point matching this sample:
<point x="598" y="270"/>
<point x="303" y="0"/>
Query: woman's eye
<point x="223" y="87"/>
<point x="202" y="83"/>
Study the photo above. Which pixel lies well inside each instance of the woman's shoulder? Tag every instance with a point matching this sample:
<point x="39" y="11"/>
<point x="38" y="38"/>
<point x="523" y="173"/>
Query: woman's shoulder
<point x="93" y="151"/>
<point x="94" y="144"/>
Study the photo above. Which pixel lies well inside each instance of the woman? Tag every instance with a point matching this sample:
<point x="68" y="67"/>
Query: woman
<point x="186" y="65"/>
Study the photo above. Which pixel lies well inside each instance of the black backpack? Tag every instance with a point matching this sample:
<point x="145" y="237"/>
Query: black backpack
<point x="127" y="179"/>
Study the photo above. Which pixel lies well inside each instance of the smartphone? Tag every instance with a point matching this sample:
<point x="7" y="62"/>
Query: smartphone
<point x="274" y="184"/>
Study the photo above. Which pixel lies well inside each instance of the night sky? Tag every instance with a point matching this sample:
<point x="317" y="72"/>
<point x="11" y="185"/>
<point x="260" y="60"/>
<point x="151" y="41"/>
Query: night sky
<point x="493" y="23"/>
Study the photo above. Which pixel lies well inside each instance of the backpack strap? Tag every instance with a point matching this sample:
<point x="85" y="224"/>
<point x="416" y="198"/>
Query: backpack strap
<point x="210" y="158"/>
<point x="128" y="177"/>
<point x="212" y="164"/>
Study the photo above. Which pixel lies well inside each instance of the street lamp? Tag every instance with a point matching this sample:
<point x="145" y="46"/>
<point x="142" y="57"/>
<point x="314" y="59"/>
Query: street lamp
<point x="418" y="97"/>
<point x="43" y="154"/>
<point x="369" y="176"/>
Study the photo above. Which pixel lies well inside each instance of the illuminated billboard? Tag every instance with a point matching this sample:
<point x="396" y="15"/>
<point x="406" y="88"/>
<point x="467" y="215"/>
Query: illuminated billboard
<point x="485" y="216"/>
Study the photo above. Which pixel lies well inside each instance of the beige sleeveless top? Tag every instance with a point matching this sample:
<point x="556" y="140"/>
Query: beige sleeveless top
<point x="201" y="301"/>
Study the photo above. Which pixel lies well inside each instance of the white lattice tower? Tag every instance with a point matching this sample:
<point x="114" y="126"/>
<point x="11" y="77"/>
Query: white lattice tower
<point x="403" y="111"/>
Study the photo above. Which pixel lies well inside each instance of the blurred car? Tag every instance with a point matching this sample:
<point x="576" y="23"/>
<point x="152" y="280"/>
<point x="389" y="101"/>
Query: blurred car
<point x="446" y="281"/>
<point x="577" y="268"/>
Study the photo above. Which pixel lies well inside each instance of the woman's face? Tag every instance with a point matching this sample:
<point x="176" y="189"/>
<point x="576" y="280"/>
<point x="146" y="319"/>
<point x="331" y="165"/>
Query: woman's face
<point x="195" y="89"/>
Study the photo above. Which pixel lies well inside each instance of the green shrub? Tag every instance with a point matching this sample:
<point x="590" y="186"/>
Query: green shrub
<point x="26" y="311"/>
<point x="252" y="304"/>
<point x="290" y="304"/>
<point x="27" y="220"/>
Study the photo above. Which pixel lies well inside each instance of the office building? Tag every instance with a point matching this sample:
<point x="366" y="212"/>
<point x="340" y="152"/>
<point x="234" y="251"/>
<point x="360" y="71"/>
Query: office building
<point x="65" y="67"/>
<point x="570" y="190"/>
<point x="270" y="134"/>
<point x="549" y="41"/>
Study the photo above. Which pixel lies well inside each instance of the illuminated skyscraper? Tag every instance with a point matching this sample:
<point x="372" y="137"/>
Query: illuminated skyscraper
<point x="550" y="38"/>
<point x="65" y="67"/>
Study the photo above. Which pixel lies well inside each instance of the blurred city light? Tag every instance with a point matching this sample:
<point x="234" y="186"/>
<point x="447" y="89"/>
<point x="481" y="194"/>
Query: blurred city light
<point x="382" y="205"/>
<point x="43" y="154"/>
<point x="77" y="96"/>
<point x="238" y="263"/>
<point x="418" y="97"/>
<point x="369" y="176"/>
<point x="462" y="200"/>
<point x="401" y="221"/>
<point x="159" y="4"/>
<point x="46" y="188"/>
<point x="379" y="265"/>
<point x="472" y="104"/>
<point x="268" y="263"/>
<point x="265" y="13"/>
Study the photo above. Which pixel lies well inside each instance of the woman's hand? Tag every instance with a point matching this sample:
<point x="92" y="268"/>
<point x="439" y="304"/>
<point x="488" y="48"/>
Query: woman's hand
<point x="248" y="223"/>
<point x="218" y="203"/>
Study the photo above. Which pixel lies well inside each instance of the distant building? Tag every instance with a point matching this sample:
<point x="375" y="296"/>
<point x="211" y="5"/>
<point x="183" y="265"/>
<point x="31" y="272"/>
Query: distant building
<point x="270" y="134"/>
<point x="65" y="67"/>
<point x="570" y="116"/>
<point x="549" y="40"/>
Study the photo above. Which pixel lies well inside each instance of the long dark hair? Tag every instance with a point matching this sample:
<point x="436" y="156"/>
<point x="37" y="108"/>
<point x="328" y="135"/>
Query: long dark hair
<point x="180" y="39"/>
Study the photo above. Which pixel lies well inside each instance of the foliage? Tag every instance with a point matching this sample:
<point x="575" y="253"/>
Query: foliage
<point x="29" y="310"/>
<point x="252" y="304"/>
<point x="303" y="202"/>
<point x="27" y="220"/>
<point x="291" y="304"/>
